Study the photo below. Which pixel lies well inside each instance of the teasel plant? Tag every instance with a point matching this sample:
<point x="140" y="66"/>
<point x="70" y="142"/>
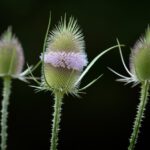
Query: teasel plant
<point x="63" y="61"/>
<point x="11" y="66"/>
<point x="139" y="73"/>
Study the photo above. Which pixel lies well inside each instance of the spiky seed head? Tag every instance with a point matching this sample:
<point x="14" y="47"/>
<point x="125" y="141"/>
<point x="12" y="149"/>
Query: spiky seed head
<point x="11" y="54"/>
<point x="65" y="57"/>
<point x="140" y="58"/>
<point x="66" y="37"/>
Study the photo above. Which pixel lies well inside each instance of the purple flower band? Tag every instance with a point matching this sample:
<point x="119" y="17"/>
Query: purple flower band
<point x="71" y="60"/>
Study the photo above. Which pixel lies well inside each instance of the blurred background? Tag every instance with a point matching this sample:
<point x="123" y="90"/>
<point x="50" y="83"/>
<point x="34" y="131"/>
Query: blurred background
<point x="102" y="119"/>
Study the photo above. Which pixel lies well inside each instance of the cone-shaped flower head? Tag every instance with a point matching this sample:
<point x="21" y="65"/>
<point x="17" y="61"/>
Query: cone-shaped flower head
<point x="140" y="58"/>
<point x="11" y="54"/>
<point x="64" y="58"/>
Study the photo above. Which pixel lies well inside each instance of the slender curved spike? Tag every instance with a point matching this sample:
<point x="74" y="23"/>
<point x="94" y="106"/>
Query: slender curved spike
<point x="44" y="48"/>
<point x="135" y="84"/>
<point x="122" y="59"/>
<point x="126" y="81"/>
<point x="93" y="62"/>
<point x="26" y="79"/>
<point x="32" y="76"/>
<point x="38" y="89"/>
<point x="118" y="74"/>
<point x="91" y="83"/>
<point x="23" y="79"/>
<point x="26" y="72"/>
<point x="38" y="78"/>
<point x="36" y="66"/>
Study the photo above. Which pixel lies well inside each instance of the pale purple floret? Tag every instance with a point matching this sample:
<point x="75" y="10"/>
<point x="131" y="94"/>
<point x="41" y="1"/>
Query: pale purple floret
<point x="71" y="60"/>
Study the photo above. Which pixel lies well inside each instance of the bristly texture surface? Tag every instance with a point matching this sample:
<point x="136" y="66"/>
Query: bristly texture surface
<point x="66" y="37"/>
<point x="139" y="59"/>
<point x="64" y="58"/>
<point x="4" y="112"/>
<point x="140" y="115"/>
<point x="11" y="54"/>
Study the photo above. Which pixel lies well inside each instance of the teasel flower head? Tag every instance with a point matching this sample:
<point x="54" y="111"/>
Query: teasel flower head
<point x="140" y="58"/>
<point x="139" y="73"/>
<point x="12" y="56"/>
<point x="139" y="61"/>
<point x="65" y="57"/>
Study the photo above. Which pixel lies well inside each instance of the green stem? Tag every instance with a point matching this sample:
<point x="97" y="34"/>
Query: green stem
<point x="4" y="112"/>
<point x="140" y="114"/>
<point x="56" y="119"/>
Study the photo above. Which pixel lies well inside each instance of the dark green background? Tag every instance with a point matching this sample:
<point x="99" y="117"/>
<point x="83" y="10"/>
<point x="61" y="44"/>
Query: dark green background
<point x="102" y="118"/>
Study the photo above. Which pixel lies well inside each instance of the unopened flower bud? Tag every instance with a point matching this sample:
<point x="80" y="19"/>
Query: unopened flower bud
<point x="140" y="58"/>
<point x="11" y="54"/>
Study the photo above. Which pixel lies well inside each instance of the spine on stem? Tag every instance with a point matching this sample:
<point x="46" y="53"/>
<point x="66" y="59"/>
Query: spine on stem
<point x="4" y="112"/>
<point x="140" y="114"/>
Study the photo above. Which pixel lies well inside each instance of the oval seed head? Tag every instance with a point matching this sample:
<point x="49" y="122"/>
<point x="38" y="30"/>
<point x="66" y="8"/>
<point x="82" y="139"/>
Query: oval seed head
<point x="140" y="58"/>
<point x="64" y="58"/>
<point x="11" y="54"/>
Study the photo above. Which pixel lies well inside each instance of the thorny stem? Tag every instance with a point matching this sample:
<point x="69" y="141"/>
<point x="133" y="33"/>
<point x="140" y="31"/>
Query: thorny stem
<point x="56" y="120"/>
<point x="4" y="112"/>
<point x="140" y="114"/>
